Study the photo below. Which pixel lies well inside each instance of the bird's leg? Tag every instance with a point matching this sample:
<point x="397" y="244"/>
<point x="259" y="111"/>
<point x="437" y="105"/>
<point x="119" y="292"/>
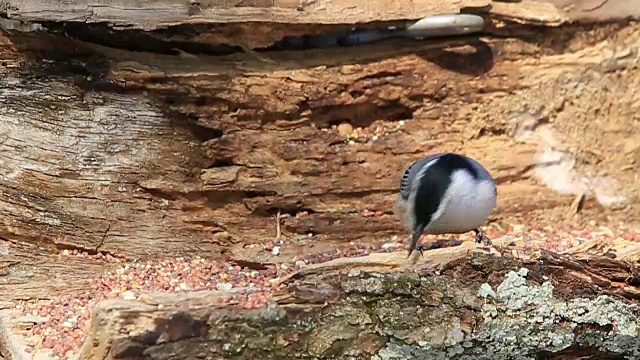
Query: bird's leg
<point x="482" y="238"/>
<point x="417" y="232"/>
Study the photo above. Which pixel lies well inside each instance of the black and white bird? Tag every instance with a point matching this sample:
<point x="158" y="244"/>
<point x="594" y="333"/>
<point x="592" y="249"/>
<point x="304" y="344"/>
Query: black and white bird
<point x="446" y="193"/>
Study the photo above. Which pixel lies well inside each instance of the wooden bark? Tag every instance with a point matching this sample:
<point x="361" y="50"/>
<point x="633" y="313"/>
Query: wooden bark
<point x="152" y="15"/>
<point x="160" y="14"/>
<point x="187" y="151"/>
<point x="455" y="303"/>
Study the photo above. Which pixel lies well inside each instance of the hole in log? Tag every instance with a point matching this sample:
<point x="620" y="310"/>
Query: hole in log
<point x="190" y="122"/>
<point x="174" y="40"/>
<point x="356" y="93"/>
<point x="204" y="133"/>
<point x="358" y="115"/>
<point x="218" y="163"/>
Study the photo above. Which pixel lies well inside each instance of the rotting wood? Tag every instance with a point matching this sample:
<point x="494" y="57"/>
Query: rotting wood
<point x="171" y="21"/>
<point x="158" y="14"/>
<point x="197" y="155"/>
<point x="143" y="153"/>
<point x="462" y="302"/>
<point x="150" y="16"/>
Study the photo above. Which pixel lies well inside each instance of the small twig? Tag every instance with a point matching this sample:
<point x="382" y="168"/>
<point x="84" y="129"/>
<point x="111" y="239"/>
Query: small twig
<point x="183" y="55"/>
<point x="254" y="54"/>
<point x="278" y="239"/>
<point x="595" y="6"/>
<point x="278" y="230"/>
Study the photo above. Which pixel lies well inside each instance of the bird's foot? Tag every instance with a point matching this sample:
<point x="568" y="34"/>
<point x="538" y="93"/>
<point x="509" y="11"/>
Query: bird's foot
<point x="418" y="248"/>
<point x="482" y="238"/>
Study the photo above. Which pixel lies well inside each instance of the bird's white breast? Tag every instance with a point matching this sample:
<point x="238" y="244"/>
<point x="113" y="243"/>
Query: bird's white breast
<point x="466" y="205"/>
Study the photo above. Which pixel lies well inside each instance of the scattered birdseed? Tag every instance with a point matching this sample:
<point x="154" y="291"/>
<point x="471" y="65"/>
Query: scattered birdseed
<point x="63" y="323"/>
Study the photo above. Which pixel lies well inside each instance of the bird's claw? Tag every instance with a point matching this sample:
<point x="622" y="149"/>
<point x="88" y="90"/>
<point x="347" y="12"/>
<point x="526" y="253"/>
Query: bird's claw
<point x="418" y="248"/>
<point x="482" y="238"/>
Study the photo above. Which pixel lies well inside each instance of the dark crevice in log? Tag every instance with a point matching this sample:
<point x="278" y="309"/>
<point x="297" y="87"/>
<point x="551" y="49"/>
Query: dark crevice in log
<point x="217" y="163"/>
<point x="359" y="114"/>
<point x="184" y="39"/>
<point x="252" y="265"/>
<point x="269" y="207"/>
<point x="320" y="111"/>
<point x="215" y="196"/>
<point x="65" y="60"/>
<point x="292" y="206"/>
<point x="137" y="40"/>
<point x="177" y="40"/>
<point x="579" y="352"/>
<point x="584" y="328"/>
<point x="200" y="132"/>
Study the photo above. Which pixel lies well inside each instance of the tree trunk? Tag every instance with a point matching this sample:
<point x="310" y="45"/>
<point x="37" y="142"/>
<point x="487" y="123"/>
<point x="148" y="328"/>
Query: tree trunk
<point x="455" y="303"/>
<point x="190" y="128"/>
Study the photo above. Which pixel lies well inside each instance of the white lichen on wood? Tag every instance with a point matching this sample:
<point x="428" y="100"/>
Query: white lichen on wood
<point x="521" y="321"/>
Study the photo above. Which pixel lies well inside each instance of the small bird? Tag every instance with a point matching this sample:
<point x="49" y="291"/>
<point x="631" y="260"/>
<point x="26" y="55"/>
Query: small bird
<point x="446" y="193"/>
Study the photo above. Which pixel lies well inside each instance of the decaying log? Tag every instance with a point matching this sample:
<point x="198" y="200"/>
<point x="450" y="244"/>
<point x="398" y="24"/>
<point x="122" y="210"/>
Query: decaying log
<point x="455" y="303"/>
<point x="134" y="153"/>
<point x="173" y="127"/>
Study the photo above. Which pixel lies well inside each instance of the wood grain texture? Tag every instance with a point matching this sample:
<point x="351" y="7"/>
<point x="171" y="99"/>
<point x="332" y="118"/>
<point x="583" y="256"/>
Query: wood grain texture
<point x="147" y="15"/>
<point x="196" y="155"/>
<point x="155" y="15"/>
<point x="70" y="163"/>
